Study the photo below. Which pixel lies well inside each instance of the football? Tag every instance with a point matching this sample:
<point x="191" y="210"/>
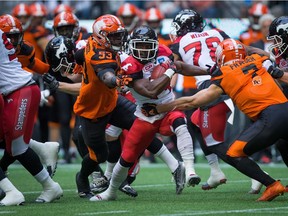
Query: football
<point x="158" y="71"/>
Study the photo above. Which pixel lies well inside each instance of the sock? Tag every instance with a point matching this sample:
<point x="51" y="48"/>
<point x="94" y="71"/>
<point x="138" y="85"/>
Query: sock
<point x="185" y="147"/>
<point x="118" y="176"/>
<point x="165" y="155"/>
<point x="37" y="147"/>
<point x="214" y="164"/>
<point x="109" y="169"/>
<point x="6" y="185"/>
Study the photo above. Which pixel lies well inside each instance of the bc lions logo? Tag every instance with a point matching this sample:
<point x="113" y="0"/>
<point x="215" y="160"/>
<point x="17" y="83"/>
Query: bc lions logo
<point x="62" y="49"/>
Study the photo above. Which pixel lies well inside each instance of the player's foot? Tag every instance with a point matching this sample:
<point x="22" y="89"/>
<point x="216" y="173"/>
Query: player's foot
<point x="50" y="194"/>
<point x="13" y="198"/>
<point x="105" y="196"/>
<point x="255" y="187"/>
<point x="179" y="177"/>
<point x="214" y="181"/>
<point x="99" y="185"/>
<point x="127" y="189"/>
<point x="83" y="187"/>
<point x="50" y="158"/>
<point x="192" y="180"/>
<point x="272" y="191"/>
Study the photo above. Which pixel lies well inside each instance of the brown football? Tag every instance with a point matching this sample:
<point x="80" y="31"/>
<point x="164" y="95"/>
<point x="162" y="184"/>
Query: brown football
<point x="158" y="71"/>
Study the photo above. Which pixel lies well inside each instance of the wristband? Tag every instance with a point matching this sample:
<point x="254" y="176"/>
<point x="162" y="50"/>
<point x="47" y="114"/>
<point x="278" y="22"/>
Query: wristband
<point x="169" y="72"/>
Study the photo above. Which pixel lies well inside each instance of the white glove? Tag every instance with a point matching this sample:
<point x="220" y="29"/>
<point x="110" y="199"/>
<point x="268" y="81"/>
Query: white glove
<point x="44" y="97"/>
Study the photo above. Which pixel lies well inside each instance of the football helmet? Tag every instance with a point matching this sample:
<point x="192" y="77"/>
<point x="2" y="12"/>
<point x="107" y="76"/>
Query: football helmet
<point x="186" y="21"/>
<point x="143" y="44"/>
<point x="255" y="12"/>
<point x="62" y="8"/>
<point x="12" y="27"/>
<point x="66" y="24"/>
<point x="22" y="12"/>
<point x="38" y="10"/>
<point x="153" y="17"/>
<point x="229" y="51"/>
<point x="278" y="32"/>
<point x="59" y="54"/>
<point x="130" y="16"/>
<point x="109" y="31"/>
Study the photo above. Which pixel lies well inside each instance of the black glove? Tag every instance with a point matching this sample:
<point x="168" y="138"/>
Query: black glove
<point x="275" y="72"/>
<point x="51" y="82"/>
<point x="149" y="109"/>
<point x="212" y="69"/>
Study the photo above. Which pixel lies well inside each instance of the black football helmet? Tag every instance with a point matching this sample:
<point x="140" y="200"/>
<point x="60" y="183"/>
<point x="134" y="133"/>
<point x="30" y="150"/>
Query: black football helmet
<point x="143" y="44"/>
<point x="278" y="32"/>
<point x="59" y="54"/>
<point x="186" y="21"/>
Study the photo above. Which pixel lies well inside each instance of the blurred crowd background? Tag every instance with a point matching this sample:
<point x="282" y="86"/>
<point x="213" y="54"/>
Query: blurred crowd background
<point x="87" y="9"/>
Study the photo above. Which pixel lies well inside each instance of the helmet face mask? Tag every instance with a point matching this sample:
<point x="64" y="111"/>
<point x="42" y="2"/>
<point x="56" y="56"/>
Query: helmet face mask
<point x="59" y="54"/>
<point x="12" y="27"/>
<point x="143" y="44"/>
<point x="66" y="24"/>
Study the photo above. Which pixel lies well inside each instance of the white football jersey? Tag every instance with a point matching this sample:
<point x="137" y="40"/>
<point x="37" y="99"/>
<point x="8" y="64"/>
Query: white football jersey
<point x="167" y="95"/>
<point x="198" y="48"/>
<point x="12" y="76"/>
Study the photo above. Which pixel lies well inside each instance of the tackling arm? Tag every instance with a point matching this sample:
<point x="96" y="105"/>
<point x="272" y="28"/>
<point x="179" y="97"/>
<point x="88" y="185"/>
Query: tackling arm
<point x="201" y="98"/>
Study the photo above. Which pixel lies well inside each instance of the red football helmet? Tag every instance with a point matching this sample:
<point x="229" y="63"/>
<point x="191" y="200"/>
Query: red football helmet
<point x="255" y="12"/>
<point x="62" y="8"/>
<point x="109" y="31"/>
<point x="130" y="15"/>
<point x="153" y="18"/>
<point x="229" y="51"/>
<point x="12" y="27"/>
<point x="66" y="24"/>
<point x="22" y="12"/>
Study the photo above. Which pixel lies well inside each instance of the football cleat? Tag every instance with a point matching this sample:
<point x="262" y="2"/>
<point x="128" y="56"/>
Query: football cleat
<point x="83" y="187"/>
<point x="272" y="191"/>
<point x="214" y="181"/>
<point x="179" y="177"/>
<point x="127" y="189"/>
<point x="13" y="198"/>
<point x="105" y="196"/>
<point x="50" y="194"/>
<point x="192" y="180"/>
<point x="99" y="185"/>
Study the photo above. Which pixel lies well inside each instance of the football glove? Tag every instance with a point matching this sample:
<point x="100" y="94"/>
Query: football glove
<point x="276" y="73"/>
<point x="149" y="109"/>
<point x="122" y="80"/>
<point x="51" y="82"/>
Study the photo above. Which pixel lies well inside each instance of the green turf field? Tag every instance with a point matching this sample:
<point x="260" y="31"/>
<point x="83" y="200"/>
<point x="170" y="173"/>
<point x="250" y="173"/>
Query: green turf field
<point x="156" y="195"/>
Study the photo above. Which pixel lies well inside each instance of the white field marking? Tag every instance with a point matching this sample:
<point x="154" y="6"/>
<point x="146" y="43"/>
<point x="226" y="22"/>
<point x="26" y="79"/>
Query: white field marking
<point x="154" y="185"/>
<point x="260" y="210"/>
<point x="100" y="213"/>
<point x="8" y="212"/>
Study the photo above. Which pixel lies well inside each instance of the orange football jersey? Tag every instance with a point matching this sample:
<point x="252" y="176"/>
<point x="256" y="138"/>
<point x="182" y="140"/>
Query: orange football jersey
<point x="95" y="98"/>
<point x="249" y="85"/>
